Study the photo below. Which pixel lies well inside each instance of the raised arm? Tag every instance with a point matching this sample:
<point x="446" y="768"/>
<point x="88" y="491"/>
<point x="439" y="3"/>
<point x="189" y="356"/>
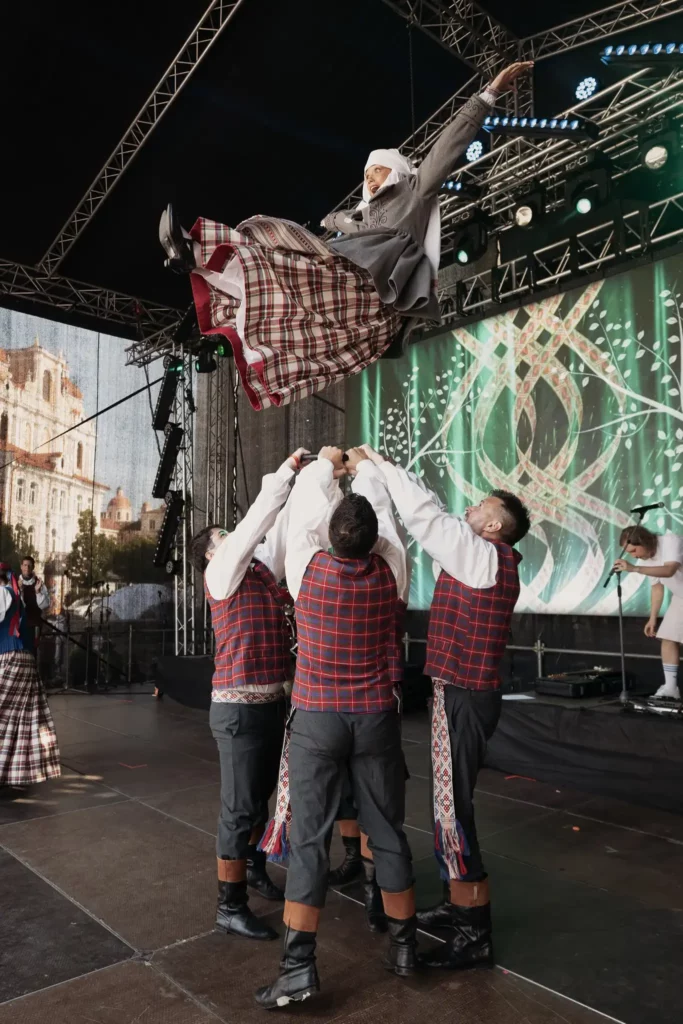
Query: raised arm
<point x="226" y="569"/>
<point x="464" y="555"/>
<point x="314" y="497"/>
<point x="370" y="482"/>
<point x="456" y="136"/>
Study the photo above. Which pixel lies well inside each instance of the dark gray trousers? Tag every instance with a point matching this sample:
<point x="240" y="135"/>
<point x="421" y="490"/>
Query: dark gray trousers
<point x="472" y="719"/>
<point x="323" y="744"/>
<point x="249" y="738"/>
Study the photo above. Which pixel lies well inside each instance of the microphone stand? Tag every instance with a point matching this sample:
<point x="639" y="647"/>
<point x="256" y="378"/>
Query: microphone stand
<point x="623" y="696"/>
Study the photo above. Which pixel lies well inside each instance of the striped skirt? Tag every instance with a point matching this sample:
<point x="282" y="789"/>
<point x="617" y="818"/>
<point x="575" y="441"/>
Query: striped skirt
<point x="298" y="316"/>
<point x="28" y="743"/>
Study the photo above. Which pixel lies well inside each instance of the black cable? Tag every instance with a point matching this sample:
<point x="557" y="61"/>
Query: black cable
<point x="328" y="402"/>
<point x="412" y="81"/>
<point x="81" y="423"/>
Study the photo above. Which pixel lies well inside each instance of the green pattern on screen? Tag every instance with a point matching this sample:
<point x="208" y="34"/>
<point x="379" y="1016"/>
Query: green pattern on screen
<point x="574" y="403"/>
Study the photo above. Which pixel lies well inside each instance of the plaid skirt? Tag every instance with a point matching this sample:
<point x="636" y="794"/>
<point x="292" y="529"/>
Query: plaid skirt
<point x="28" y="743"/>
<point x="309" y="316"/>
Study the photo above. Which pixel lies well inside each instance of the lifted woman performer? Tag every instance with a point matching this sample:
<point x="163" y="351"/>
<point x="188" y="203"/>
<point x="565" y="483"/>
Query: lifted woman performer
<point x="300" y="313"/>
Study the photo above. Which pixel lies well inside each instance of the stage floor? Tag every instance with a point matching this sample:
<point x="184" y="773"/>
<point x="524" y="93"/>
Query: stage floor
<point x="107" y="893"/>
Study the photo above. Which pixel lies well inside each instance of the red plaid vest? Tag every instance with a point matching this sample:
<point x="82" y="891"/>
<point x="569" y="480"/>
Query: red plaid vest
<point x="469" y="629"/>
<point x="346" y="622"/>
<point x="252" y="639"/>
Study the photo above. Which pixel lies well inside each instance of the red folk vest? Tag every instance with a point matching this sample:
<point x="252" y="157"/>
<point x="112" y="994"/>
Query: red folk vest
<point x="346" y="622"/>
<point x="252" y="637"/>
<point x="469" y="629"/>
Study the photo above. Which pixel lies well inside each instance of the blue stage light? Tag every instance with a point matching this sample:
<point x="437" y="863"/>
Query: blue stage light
<point x="474" y="150"/>
<point x="587" y="86"/>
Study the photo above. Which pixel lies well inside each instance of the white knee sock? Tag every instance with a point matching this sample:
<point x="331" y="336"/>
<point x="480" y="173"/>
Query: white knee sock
<point x="670" y="680"/>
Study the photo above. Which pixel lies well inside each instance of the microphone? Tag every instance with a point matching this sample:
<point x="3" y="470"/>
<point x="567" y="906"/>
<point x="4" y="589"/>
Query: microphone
<point x="642" y="509"/>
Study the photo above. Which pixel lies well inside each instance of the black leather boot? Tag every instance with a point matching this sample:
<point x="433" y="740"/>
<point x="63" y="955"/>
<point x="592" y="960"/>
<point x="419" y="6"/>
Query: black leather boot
<point x="351" y="867"/>
<point x="402" y="956"/>
<point x="470" y="943"/>
<point x="176" y="243"/>
<point x="440" y="916"/>
<point x="298" y="978"/>
<point x="233" y="915"/>
<point x="372" y="896"/>
<point x="257" y="877"/>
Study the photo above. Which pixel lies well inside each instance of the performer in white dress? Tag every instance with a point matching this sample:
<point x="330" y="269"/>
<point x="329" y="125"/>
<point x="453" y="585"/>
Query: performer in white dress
<point x="661" y="558"/>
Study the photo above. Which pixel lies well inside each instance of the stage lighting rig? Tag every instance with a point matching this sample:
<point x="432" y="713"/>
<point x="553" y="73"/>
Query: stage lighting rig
<point x="169" y="456"/>
<point x="474" y="151"/>
<point x="530" y="203"/>
<point x="471" y="238"/>
<point x="169" y="529"/>
<point x="656" y="56"/>
<point x="589" y="182"/>
<point x="587" y="87"/>
<point x="573" y="128"/>
<point x="205" y="363"/>
<point x="462" y="189"/>
<point x="173" y="367"/>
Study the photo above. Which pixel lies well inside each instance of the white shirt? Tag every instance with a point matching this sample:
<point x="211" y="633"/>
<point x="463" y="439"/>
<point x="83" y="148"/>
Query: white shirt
<point x="42" y="595"/>
<point x="669" y="549"/>
<point x="315" y="496"/>
<point x="5" y="602"/>
<point x="453" y="545"/>
<point x="227" y="568"/>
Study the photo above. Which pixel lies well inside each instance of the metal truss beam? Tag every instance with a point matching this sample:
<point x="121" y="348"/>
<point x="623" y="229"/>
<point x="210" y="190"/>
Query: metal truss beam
<point x="184" y="483"/>
<point x="186" y="62"/>
<point x="68" y="296"/>
<point x="551" y="267"/>
<point x="593" y="27"/>
<point x="463" y="28"/>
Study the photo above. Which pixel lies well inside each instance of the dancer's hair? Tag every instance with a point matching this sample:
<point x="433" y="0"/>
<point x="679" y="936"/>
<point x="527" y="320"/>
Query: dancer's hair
<point x="353" y="527"/>
<point x="200" y="544"/>
<point x="641" y="536"/>
<point x="515" y="519"/>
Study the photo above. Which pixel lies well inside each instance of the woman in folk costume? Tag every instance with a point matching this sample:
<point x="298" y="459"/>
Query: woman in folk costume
<point x="28" y="743"/>
<point x="301" y="313"/>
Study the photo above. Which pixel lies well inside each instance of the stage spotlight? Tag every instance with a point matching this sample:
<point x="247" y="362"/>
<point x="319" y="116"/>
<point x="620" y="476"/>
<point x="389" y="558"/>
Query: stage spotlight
<point x="167" y="392"/>
<point x="660" y="142"/>
<point x="588" y="183"/>
<point x="650" y="55"/>
<point x="471" y="239"/>
<point x="529" y="204"/>
<point x="169" y="456"/>
<point x="655" y="157"/>
<point x="474" y="151"/>
<point x="586" y="88"/>
<point x="169" y="528"/>
<point x="576" y="129"/>
<point x="205" y="363"/>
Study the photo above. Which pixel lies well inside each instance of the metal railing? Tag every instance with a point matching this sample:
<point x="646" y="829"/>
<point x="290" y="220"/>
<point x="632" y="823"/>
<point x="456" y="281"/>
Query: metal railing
<point x="116" y="655"/>
<point x="540" y="650"/>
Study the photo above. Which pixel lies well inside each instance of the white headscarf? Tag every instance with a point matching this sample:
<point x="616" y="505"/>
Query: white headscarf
<point x="402" y="168"/>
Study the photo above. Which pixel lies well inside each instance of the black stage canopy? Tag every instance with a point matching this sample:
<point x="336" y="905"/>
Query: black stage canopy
<point x="277" y="118"/>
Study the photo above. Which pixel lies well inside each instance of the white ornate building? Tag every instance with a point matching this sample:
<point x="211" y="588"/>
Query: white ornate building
<point x="44" y="487"/>
<point x="117" y="520"/>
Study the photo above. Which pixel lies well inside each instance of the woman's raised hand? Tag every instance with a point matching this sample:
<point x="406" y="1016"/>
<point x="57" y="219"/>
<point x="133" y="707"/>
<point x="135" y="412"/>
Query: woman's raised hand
<point x="509" y="75"/>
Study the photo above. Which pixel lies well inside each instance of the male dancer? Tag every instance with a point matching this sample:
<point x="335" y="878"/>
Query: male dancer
<point x="369" y="481"/>
<point x="344" y="714"/>
<point x="660" y="558"/>
<point x="252" y="663"/>
<point x="469" y="625"/>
